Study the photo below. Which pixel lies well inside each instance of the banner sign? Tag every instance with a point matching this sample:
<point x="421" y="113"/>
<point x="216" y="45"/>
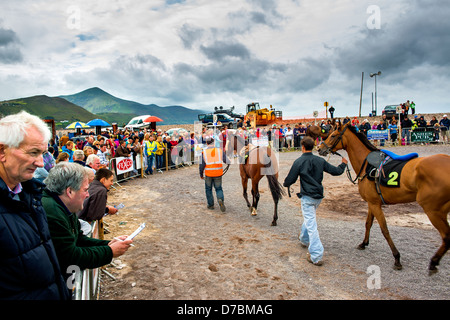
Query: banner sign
<point x="422" y="136"/>
<point x="124" y="165"/>
<point x="378" y="134"/>
<point x="138" y="162"/>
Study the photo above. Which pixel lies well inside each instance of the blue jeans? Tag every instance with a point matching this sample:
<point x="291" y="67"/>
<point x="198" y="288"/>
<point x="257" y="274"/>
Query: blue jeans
<point x="159" y="161"/>
<point x="406" y="134"/>
<point x="309" y="235"/>
<point x="217" y="183"/>
<point x="150" y="162"/>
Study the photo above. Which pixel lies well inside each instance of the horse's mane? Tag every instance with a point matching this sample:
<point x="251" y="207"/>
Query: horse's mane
<point x="362" y="137"/>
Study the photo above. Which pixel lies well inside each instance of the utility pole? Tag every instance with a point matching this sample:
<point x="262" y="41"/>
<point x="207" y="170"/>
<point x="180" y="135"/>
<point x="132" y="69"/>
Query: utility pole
<point x="360" y="98"/>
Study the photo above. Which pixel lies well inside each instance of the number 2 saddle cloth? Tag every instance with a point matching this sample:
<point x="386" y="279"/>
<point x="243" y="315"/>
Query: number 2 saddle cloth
<point x="386" y="167"/>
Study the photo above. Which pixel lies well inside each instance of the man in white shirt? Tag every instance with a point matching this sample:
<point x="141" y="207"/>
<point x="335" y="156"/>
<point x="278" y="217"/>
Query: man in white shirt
<point x="101" y="153"/>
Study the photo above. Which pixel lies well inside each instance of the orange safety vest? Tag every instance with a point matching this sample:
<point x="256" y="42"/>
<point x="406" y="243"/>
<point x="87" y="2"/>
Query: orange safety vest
<point x="213" y="160"/>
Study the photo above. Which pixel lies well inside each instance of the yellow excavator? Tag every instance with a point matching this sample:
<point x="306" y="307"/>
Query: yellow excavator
<point x="261" y="117"/>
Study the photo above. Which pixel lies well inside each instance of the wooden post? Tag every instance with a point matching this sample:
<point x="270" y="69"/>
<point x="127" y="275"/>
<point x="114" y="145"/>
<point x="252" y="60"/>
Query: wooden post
<point x="101" y="233"/>
<point x="142" y="162"/>
<point x="167" y="157"/>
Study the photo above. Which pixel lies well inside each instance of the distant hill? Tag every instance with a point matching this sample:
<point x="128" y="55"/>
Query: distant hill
<point x="46" y="107"/>
<point x="98" y="101"/>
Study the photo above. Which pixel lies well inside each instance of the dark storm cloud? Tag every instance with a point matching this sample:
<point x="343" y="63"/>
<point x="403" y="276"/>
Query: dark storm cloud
<point x="417" y="37"/>
<point x="220" y="50"/>
<point x="232" y="73"/>
<point x="9" y="47"/>
<point x="243" y="75"/>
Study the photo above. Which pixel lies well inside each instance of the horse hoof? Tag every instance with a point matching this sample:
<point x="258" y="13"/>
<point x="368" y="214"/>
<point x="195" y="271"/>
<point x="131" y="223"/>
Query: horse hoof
<point x="362" y="246"/>
<point x="254" y="213"/>
<point x="274" y="223"/>
<point x="432" y="271"/>
<point x="398" y="267"/>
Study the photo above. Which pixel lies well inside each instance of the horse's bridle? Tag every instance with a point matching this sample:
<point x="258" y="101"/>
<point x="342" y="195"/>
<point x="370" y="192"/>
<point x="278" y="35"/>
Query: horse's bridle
<point x="335" y="143"/>
<point x="330" y="150"/>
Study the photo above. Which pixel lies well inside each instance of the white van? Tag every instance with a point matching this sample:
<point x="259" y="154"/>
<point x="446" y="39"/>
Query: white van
<point x="138" y="123"/>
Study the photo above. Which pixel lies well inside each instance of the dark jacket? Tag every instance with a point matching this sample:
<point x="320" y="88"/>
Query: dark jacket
<point x="29" y="267"/>
<point x="122" y="152"/>
<point x="72" y="247"/>
<point x="444" y="123"/>
<point x="407" y="124"/>
<point x="94" y="207"/>
<point x="310" y="168"/>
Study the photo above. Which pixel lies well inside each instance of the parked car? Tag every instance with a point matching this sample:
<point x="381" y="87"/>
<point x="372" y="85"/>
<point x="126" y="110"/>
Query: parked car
<point x="138" y="123"/>
<point x="223" y="118"/>
<point x="182" y="131"/>
<point x="390" y="111"/>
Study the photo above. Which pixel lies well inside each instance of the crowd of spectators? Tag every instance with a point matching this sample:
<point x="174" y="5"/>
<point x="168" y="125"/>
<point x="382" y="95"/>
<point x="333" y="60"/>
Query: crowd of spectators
<point x="406" y="124"/>
<point x="160" y="149"/>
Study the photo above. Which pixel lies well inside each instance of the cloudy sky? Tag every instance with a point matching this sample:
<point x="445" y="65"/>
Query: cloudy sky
<point x="292" y="54"/>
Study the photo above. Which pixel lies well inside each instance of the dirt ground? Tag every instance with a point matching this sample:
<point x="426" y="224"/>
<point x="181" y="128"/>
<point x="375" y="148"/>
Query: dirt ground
<point x="188" y="252"/>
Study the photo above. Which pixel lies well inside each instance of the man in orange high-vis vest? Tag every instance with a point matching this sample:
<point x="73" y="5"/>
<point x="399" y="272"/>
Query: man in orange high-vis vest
<point x="212" y="167"/>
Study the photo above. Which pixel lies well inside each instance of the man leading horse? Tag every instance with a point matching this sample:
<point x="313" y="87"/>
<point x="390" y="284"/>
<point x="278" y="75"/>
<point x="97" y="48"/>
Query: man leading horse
<point x="310" y="169"/>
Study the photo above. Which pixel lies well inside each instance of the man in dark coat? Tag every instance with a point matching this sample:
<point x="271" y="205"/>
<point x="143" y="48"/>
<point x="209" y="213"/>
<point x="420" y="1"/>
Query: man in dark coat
<point x="29" y="266"/>
<point x="406" y="125"/>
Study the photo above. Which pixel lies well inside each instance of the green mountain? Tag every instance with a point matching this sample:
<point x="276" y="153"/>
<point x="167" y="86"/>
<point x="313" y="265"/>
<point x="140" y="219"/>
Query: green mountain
<point x="98" y="101"/>
<point x="46" y="107"/>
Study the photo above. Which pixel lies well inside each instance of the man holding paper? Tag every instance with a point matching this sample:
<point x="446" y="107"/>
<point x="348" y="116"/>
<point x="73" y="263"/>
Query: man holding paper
<point x="67" y="188"/>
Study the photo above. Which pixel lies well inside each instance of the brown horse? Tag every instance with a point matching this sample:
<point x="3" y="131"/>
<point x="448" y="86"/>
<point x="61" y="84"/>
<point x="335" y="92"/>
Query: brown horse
<point x="315" y="132"/>
<point x="423" y="179"/>
<point x="261" y="161"/>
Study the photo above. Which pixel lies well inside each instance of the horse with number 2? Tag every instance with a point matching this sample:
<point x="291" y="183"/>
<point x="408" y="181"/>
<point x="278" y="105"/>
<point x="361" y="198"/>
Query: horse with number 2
<point x="422" y="179"/>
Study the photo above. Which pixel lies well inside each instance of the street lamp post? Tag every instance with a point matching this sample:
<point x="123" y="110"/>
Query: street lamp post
<point x="372" y="75"/>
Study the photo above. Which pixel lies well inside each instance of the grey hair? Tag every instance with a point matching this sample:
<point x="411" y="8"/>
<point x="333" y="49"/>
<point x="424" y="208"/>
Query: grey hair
<point x="90" y="159"/>
<point x="78" y="154"/>
<point x="65" y="175"/>
<point x="13" y="128"/>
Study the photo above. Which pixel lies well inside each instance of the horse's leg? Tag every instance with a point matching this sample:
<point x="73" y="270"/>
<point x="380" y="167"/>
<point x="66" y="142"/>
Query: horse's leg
<point x="440" y="222"/>
<point x="244" y="189"/>
<point x="378" y="213"/>
<point x="432" y="195"/>
<point x="369" y="222"/>
<point x="255" y="193"/>
<point x="275" y="213"/>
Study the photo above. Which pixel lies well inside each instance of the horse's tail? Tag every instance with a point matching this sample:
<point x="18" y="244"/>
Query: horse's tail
<point x="275" y="186"/>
